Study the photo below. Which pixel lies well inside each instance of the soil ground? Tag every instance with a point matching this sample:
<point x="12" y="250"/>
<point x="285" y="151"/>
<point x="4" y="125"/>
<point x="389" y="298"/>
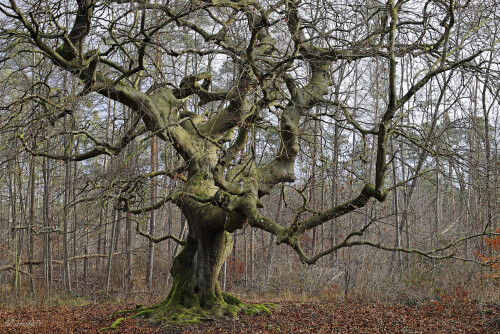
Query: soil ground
<point x="347" y="316"/>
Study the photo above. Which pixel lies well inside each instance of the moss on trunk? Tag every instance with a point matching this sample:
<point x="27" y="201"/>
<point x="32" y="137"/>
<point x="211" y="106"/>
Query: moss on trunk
<point x="195" y="294"/>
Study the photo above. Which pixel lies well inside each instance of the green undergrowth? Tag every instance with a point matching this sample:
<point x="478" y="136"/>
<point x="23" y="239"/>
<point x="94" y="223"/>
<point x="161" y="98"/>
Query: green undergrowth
<point x="166" y="314"/>
<point x="68" y="300"/>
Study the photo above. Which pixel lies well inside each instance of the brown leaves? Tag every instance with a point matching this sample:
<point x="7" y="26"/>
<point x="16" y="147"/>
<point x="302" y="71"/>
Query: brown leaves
<point x="357" y="317"/>
<point x="459" y="315"/>
<point x="69" y="319"/>
<point x="494" y="261"/>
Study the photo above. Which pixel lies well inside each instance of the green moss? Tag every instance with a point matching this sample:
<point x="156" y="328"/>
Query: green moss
<point x="254" y="309"/>
<point x="59" y="49"/>
<point x="232" y="311"/>
<point x="169" y="313"/>
<point x="114" y="325"/>
<point x="230" y="299"/>
<point x="123" y="312"/>
<point x="198" y="178"/>
<point x="184" y="306"/>
<point x="146" y="313"/>
<point x="181" y="316"/>
<point x="250" y="311"/>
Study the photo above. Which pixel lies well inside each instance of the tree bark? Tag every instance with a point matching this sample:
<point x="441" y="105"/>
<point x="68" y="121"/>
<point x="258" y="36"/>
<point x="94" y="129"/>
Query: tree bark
<point x="110" y="251"/>
<point x="152" y="215"/>
<point x="128" y="252"/>
<point x="47" y="236"/>
<point x="195" y="273"/>
<point x="30" y="222"/>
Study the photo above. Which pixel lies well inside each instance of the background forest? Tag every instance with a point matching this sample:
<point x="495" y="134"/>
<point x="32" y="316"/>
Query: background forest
<point x="64" y="232"/>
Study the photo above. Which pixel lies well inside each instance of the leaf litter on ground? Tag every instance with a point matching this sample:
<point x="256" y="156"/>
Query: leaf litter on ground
<point x="346" y="316"/>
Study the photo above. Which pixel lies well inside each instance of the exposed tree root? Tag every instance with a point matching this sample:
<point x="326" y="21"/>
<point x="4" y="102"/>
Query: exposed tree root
<point x="168" y="313"/>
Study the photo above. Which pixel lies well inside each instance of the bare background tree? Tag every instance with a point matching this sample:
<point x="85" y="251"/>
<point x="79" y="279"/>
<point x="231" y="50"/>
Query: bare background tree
<point x="140" y="138"/>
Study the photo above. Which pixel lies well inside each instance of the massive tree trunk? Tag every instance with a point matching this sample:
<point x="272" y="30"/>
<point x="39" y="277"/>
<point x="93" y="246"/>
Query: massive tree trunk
<point x="196" y="269"/>
<point x="195" y="292"/>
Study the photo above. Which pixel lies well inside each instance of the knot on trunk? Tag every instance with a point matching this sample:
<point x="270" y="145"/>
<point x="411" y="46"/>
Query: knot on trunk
<point x="243" y="206"/>
<point x="222" y="199"/>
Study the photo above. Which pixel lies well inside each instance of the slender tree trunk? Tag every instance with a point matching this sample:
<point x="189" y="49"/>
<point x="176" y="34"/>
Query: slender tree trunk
<point x="65" y="232"/>
<point x="47" y="236"/>
<point x="110" y="253"/>
<point x="252" y="257"/>
<point x="487" y="146"/>
<point x="396" y="214"/>
<point x="312" y="193"/>
<point x="245" y="257"/>
<point x="152" y="217"/>
<point x="86" y="252"/>
<point x="31" y="223"/>
<point x="335" y="188"/>
<point x="76" y="225"/>
<point x="68" y="148"/>
<point x="11" y="167"/>
<point x="128" y="254"/>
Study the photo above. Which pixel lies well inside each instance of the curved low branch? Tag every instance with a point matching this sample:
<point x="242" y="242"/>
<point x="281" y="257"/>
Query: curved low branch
<point x="429" y="254"/>
<point x="157" y="205"/>
<point x="100" y="149"/>
<point x="160" y="239"/>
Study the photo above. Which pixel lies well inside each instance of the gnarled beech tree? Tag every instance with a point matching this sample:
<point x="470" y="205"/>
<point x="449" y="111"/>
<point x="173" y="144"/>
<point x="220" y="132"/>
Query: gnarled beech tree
<point x="284" y="56"/>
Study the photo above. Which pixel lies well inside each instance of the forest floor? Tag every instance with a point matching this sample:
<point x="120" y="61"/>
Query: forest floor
<point x="343" y="316"/>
